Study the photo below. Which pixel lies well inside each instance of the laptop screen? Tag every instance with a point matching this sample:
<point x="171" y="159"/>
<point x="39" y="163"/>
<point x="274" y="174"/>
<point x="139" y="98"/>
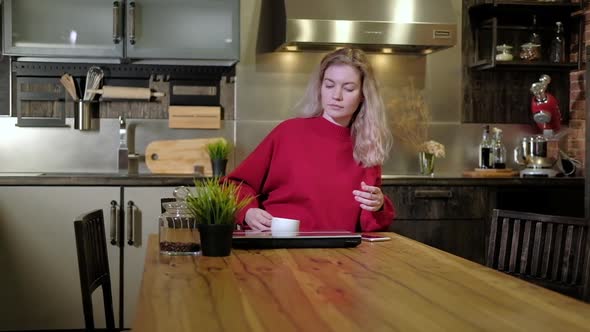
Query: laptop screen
<point x="322" y="239"/>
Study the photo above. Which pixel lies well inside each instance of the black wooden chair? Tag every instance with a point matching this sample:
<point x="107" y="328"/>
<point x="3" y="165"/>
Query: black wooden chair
<point x="94" y="266"/>
<point x="551" y="251"/>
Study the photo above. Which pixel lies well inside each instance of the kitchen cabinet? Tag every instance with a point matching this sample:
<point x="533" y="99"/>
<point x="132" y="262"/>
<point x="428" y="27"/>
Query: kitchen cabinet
<point x="40" y="284"/>
<point x="4" y="86"/>
<point x="498" y="91"/>
<point x="445" y="217"/>
<point x="456" y="217"/>
<point x="131" y="29"/>
<point x="146" y="209"/>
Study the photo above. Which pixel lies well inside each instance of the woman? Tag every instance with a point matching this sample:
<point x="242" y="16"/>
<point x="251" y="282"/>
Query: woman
<point x="324" y="168"/>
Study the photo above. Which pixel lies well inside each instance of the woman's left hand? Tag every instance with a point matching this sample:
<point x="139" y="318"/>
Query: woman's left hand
<point x="371" y="198"/>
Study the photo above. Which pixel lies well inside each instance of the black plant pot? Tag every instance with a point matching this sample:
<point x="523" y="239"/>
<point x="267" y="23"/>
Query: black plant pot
<point x="216" y="239"/>
<point x="218" y="166"/>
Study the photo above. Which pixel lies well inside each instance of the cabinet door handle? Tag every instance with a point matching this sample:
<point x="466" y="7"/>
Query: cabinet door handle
<point x="130" y="222"/>
<point x="114" y="226"/>
<point x="445" y="194"/>
<point x="131" y="18"/>
<point x="116" y="22"/>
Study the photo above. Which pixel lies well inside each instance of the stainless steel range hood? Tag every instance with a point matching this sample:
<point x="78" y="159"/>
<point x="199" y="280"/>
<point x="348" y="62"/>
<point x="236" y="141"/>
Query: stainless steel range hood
<point x="386" y="26"/>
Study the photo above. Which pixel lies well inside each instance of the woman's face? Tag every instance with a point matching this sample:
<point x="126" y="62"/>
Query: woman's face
<point x="341" y="93"/>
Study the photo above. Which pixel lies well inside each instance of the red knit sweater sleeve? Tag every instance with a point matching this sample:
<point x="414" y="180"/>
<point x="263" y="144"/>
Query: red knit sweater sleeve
<point x="378" y="220"/>
<point x="251" y="173"/>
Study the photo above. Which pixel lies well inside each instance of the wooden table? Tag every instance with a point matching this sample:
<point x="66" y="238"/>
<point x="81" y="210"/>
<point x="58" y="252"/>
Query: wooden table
<point x="399" y="285"/>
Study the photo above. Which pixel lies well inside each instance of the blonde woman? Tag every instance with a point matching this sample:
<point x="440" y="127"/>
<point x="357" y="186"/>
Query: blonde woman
<point x="324" y="168"/>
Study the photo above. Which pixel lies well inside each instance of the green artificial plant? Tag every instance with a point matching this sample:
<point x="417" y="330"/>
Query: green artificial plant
<point x="214" y="202"/>
<point x="219" y="149"/>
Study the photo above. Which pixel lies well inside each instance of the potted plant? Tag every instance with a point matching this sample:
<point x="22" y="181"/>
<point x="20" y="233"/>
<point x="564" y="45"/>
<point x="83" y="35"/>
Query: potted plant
<point x="218" y="152"/>
<point x="214" y="205"/>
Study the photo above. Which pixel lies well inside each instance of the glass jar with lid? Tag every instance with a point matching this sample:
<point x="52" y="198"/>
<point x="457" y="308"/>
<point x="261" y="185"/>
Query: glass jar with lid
<point x="530" y="52"/>
<point x="504" y="53"/>
<point x="177" y="231"/>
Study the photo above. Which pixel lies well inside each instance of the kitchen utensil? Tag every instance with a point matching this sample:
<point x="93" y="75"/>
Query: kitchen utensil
<point x="70" y="85"/>
<point x="93" y="80"/>
<point x="179" y="156"/>
<point x="198" y="92"/>
<point x="545" y="107"/>
<point x="83" y="110"/>
<point x="533" y="153"/>
<point x="202" y="117"/>
<point x="122" y="92"/>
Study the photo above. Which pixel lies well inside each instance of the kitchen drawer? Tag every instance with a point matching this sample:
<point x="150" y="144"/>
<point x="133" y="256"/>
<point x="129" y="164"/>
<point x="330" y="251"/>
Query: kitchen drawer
<point x="437" y="202"/>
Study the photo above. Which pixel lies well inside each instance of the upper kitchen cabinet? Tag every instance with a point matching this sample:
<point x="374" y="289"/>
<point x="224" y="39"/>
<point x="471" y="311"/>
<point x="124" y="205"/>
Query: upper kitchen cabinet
<point x="518" y="34"/>
<point x="507" y="46"/>
<point x="183" y="29"/>
<point x="66" y="28"/>
<point x="117" y="30"/>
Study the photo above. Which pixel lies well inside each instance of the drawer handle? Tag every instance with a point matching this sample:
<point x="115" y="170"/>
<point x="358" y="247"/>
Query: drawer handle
<point x="445" y="194"/>
<point x="116" y="22"/>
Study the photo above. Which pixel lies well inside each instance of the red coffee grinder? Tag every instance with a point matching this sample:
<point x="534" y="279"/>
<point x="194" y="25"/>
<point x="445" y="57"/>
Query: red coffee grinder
<point x="545" y="108"/>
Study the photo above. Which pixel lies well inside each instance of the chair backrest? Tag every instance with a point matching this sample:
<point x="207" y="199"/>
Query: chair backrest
<point x="550" y="251"/>
<point x="93" y="265"/>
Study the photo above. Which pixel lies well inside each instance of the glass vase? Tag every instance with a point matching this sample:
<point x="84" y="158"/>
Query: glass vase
<point x="426" y="161"/>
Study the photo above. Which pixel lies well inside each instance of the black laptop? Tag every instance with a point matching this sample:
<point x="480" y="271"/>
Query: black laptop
<point x="266" y="240"/>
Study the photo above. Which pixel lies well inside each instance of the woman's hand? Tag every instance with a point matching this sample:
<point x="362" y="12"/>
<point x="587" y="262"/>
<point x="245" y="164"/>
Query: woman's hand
<point x="258" y="219"/>
<point x="371" y="198"/>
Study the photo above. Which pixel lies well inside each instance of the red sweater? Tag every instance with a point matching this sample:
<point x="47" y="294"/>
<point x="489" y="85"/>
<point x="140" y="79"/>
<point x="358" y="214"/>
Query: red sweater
<point x="304" y="169"/>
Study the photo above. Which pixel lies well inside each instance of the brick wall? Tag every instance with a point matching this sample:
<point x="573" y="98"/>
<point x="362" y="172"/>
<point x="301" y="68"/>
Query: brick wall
<point x="576" y="143"/>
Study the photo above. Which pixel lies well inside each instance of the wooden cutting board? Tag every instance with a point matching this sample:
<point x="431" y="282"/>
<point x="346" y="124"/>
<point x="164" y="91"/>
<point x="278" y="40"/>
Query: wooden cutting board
<point x="178" y="156"/>
<point x="491" y="173"/>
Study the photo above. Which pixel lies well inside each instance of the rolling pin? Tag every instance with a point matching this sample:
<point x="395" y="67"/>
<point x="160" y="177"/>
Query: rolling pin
<point x="122" y="92"/>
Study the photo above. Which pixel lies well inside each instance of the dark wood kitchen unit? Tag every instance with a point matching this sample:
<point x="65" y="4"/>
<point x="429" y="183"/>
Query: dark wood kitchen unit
<point x="450" y="218"/>
<point x="454" y="214"/>
<point x="498" y="91"/>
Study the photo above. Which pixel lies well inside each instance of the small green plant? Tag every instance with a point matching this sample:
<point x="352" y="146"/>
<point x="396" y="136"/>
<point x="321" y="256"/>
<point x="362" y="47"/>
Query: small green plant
<point x="214" y="202"/>
<point x="219" y="149"/>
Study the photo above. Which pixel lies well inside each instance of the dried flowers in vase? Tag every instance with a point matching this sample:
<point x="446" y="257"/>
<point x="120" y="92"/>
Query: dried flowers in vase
<point x="410" y="117"/>
<point x="410" y="123"/>
<point x="433" y="148"/>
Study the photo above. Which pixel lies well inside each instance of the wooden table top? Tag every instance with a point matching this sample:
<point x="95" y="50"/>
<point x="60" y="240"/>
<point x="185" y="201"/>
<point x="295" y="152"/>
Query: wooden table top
<point x="399" y="285"/>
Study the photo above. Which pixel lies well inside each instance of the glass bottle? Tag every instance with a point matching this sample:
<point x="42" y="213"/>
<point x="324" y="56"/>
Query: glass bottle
<point x="498" y="150"/>
<point x="485" y="149"/>
<point x="177" y="231"/>
<point x="535" y="37"/>
<point x="557" y="53"/>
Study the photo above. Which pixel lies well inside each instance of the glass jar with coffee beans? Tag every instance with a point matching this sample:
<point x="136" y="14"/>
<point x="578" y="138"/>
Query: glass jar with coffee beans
<point x="177" y="232"/>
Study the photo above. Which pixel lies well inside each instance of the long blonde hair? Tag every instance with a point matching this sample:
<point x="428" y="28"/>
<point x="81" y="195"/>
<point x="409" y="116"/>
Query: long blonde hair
<point x="372" y="138"/>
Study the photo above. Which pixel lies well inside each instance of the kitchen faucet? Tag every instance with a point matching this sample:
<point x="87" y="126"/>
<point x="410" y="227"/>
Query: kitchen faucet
<point x="128" y="162"/>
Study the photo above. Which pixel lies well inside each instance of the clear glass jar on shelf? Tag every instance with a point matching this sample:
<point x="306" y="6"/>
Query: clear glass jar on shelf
<point x="530" y="52"/>
<point x="504" y="53"/>
<point x="177" y="231"/>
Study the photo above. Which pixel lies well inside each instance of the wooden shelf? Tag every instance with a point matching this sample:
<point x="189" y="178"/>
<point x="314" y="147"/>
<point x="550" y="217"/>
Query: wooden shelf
<point x="496" y="7"/>
<point x="523" y="65"/>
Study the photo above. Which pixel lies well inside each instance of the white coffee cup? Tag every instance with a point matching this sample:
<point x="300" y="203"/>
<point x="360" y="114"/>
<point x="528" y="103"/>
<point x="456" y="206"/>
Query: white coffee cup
<point x="284" y="226"/>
